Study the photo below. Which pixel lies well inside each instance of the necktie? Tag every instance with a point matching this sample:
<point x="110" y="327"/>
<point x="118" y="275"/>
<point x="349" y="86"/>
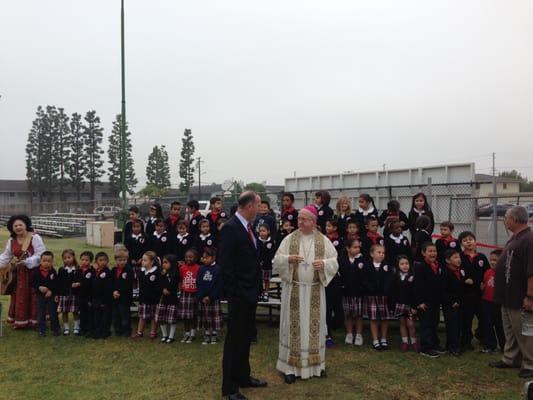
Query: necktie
<point x="251" y="233"/>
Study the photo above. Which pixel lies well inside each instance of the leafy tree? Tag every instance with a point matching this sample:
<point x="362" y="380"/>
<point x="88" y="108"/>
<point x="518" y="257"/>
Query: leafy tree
<point x="93" y="147"/>
<point x="61" y="143"/>
<point x="525" y="184"/>
<point x="114" y="155"/>
<point x="186" y="168"/>
<point x="158" y="170"/>
<point x="153" y="191"/>
<point x="36" y="156"/>
<point x="78" y="157"/>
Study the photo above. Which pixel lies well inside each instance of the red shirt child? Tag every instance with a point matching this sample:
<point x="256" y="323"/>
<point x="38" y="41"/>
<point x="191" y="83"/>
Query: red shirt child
<point x="188" y="273"/>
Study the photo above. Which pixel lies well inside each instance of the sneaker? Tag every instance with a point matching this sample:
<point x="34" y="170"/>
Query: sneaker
<point x="349" y="338"/>
<point x="170" y="340"/>
<point x="207" y="339"/>
<point x="329" y="342"/>
<point x="66" y="332"/>
<point x="358" y="340"/>
<point x="164" y="339"/>
<point x="439" y="350"/>
<point x="404" y="347"/>
<point x="77" y="332"/>
<point x="186" y="337"/>
<point x="214" y="339"/>
<point x="430" y="353"/>
<point x="190" y="339"/>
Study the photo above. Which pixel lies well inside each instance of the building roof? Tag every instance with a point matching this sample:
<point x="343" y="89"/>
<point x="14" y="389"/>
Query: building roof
<point x="485" y="178"/>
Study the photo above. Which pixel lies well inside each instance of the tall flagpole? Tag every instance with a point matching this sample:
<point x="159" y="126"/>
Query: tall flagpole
<point x="123" y="186"/>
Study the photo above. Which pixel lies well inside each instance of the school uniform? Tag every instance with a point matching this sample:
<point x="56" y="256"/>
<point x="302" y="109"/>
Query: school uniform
<point x="162" y="244"/>
<point x="342" y="222"/>
<point x="183" y="243"/>
<point x="149" y="226"/>
<point x="280" y="235"/>
<point x="396" y="246"/>
<point x="336" y="241"/>
<point x="334" y="312"/>
<point x="102" y="301"/>
<point x="428" y="291"/>
<point x="194" y="223"/>
<point x="474" y="268"/>
<point x="46" y="305"/>
<point x="402" y="297"/>
<point x="413" y="216"/>
<point x="378" y="280"/>
<point x="213" y="217"/>
<point x="188" y="305"/>
<point x="85" y="277"/>
<point x="149" y="292"/>
<point x="368" y="240"/>
<point x="123" y="279"/>
<point x="361" y="216"/>
<point x="289" y="214"/>
<point x="492" y="329"/>
<point x="128" y="229"/>
<point x="445" y="244"/>
<point x="267" y="250"/>
<point x="421" y="236"/>
<point x="209" y="284"/>
<point x="351" y="272"/>
<point x="166" y="311"/>
<point x="325" y="213"/>
<point x="453" y="292"/>
<point x="265" y="219"/>
<point x="171" y="223"/>
<point x="387" y="215"/>
<point x="137" y="245"/>
<point x="204" y="241"/>
<point x="68" y="301"/>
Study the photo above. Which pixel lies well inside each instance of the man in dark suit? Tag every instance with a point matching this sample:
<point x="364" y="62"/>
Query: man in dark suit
<point x="239" y="260"/>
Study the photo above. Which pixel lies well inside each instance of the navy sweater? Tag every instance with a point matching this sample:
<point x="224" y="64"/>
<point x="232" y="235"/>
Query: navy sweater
<point x="209" y="282"/>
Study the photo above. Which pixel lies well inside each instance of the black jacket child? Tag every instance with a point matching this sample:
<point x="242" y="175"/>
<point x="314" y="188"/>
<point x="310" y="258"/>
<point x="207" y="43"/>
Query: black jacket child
<point x="201" y="242"/>
<point x="362" y="216"/>
<point x="453" y="286"/>
<point x="66" y="277"/>
<point x="149" y="287"/>
<point x="209" y="282"/>
<point x="403" y="290"/>
<point x="128" y="227"/>
<point x="325" y="213"/>
<point x="280" y="235"/>
<point x="352" y="275"/>
<point x="149" y="226"/>
<point x="85" y="278"/>
<point x="367" y="243"/>
<point x="137" y="245"/>
<point x="395" y="247"/>
<point x="194" y="224"/>
<point x="383" y="221"/>
<point x="162" y="244"/>
<point x="337" y="242"/>
<point x="265" y="219"/>
<point x="267" y="250"/>
<point x="213" y="219"/>
<point x="413" y="216"/>
<point x="342" y="222"/>
<point x="443" y="246"/>
<point x="183" y="243"/>
<point x="428" y="284"/>
<point x="291" y="215"/>
<point x="123" y="283"/>
<point x="49" y="281"/>
<point x="474" y="268"/>
<point x="421" y="236"/>
<point x="102" y="287"/>
<point x="169" y="280"/>
<point x="378" y="281"/>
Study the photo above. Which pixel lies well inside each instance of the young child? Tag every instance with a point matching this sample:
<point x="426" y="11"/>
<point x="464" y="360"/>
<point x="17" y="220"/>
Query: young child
<point x="209" y="281"/>
<point x="453" y="289"/>
<point x="264" y="217"/>
<point x="332" y="233"/>
<point x="133" y="214"/>
<point x="378" y="279"/>
<point x="367" y="209"/>
<point x="102" y="297"/>
<point x="403" y="299"/>
<point x="161" y="242"/>
<point x="193" y="209"/>
<point x="343" y="214"/>
<point x="267" y="249"/>
<point x="184" y="241"/>
<point x="68" y="299"/>
<point x="174" y="217"/>
<point x="288" y="212"/>
<point x="187" y="305"/>
<point x="166" y="311"/>
<point x="446" y="241"/>
<point x="84" y="287"/>
<point x="492" y="330"/>
<point x="44" y="282"/>
<point x="123" y="279"/>
<point x="392" y="211"/>
<point x="352" y="231"/>
<point x="154" y="212"/>
<point x="334" y="312"/>
<point x="205" y="238"/>
<point x="325" y="213"/>
<point x="428" y="296"/>
<point x="136" y="243"/>
<point x="396" y="244"/>
<point x="149" y="294"/>
<point x="422" y="235"/>
<point x="420" y="207"/>
<point x="371" y="236"/>
<point x="215" y="214"/>
<point x="474" y="264"/>
<point x="286" y="229"/>
<point x="351" y="269"/>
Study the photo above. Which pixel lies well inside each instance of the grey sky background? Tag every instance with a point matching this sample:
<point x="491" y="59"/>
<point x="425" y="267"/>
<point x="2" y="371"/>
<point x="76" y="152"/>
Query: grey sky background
<point x="269" y="88"/>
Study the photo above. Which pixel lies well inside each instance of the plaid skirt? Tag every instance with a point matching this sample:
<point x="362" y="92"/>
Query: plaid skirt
<point x="376" y="308"/>
<point x="352" y="306"/>
<point x="68" y="304"/>
<point x="187" y="306"/>
<point x="166" y="314"/>
<point x="267" y="274"/>
<point x="210" y="316"/>
<point x="147" y="311"/>
<point x="402" y="310"/>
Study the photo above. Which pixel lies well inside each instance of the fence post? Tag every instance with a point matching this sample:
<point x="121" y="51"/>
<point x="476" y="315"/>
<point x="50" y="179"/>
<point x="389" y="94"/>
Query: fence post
<point x="450" y="205"/>
<point x="430" y="192"/>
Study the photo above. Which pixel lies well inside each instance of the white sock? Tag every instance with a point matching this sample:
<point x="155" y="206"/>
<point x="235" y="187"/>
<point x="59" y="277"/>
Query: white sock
<point x="413" y="340"/>
<point x="383" y="341"/>
<point x="207" y="332"/>
<point x="405" y="339"/>
<point x="193" y="332"/>
<point x="374" y="342"/>
<point x="66" y="326"/>
<point x="172" y="331"/>
<point x="164" y="330"/>
<point x="77" y="324"/>
<point x="213" y="333"/>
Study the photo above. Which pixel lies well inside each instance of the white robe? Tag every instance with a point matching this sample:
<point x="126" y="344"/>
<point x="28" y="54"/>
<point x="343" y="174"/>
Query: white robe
<point x="285" y="271"/>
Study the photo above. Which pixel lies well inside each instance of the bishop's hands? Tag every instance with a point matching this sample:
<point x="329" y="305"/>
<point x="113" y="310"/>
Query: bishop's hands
<point x="295" y="259"/>
<point x="318" y="265"/>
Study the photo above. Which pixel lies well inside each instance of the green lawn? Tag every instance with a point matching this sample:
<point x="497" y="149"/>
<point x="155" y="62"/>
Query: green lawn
<point x="79" y="368"/>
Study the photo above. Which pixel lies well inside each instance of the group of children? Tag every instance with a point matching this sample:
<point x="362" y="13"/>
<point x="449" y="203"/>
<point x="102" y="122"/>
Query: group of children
<point x="382" y="276"/>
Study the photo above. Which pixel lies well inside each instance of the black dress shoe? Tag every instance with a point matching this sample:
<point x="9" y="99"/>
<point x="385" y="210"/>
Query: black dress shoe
<point x="254" y="383"/>
<point x="289" y="379"/>
<point x="500" y="365"/>
<point x="323" y="374"/>
<point x="237" y="396"/>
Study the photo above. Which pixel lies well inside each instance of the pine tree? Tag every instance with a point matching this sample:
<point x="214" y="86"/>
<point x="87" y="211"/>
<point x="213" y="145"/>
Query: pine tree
<point x="187" y="162"/>
<point x="114" y="156"/>
<point x="158" y="170"/>
<point x="93" y="147"/>
<point x="79" y="158"/>
<point x="61" y="149"/>
<point x="34" y="160"/>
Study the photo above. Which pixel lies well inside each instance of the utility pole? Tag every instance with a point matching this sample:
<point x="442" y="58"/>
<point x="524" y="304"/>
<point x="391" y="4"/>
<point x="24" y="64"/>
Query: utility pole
<point x="123" y="186"/>
<point x="494" y="200"/>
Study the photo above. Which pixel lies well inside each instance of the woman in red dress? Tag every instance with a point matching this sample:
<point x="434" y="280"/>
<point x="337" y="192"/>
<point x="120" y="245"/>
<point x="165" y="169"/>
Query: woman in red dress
<point x="23" y="306"/>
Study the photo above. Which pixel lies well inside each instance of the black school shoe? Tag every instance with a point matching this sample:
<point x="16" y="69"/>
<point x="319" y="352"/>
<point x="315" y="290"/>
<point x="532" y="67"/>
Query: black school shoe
<point x="289" y="379"/>
<point x="377" y="346"/>
<point x="429" y="353"/>
<point x="439" y="350"/>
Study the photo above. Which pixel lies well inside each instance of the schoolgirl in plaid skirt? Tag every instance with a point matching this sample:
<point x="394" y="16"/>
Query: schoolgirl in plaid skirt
<point x="378" y="282"/>
<point x="166" y="311"/>
<point x="149" y="294"/>
<point x="68" y="295"/>
<point x="209" y="282"/>
<point x="188" y="304"/>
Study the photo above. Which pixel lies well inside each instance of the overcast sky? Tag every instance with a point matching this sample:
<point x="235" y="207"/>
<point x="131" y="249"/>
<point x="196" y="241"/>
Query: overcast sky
<point x="270" y="88"/>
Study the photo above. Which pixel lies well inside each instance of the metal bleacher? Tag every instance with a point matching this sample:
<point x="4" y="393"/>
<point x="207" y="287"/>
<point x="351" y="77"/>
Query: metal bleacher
<point x="58" y="224"/>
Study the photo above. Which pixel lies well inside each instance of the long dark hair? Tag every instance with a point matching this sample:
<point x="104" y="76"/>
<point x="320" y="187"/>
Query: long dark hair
<point x="22" y="217"/>
<point x="158" y="210"/>
<point x="426" y="204"/>
<point x="173" y="261"/>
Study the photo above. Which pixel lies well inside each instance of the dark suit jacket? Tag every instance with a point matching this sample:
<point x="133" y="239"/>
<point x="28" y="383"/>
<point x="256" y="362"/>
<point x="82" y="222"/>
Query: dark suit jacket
<point x="239" y="261"/>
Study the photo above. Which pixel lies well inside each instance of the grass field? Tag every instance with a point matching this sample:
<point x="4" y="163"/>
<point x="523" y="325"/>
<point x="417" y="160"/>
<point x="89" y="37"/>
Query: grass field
<point x="79" y="368"/>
